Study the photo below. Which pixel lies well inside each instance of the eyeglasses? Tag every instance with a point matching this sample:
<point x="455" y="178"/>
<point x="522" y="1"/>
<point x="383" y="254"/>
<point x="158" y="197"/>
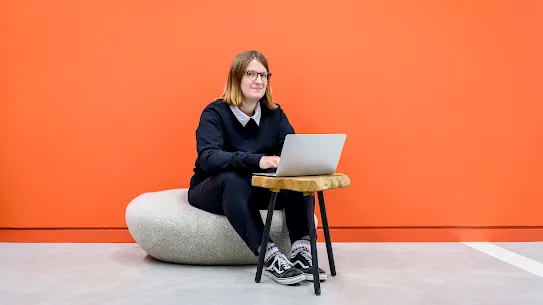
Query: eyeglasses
<point x="253" y="75"/>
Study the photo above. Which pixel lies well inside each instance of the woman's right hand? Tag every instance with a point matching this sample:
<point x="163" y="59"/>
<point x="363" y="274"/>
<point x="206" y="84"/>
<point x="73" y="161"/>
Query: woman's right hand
<point x="269" y="162"/>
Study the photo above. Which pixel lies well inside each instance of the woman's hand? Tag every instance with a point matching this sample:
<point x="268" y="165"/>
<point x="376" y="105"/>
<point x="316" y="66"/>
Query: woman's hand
<point x="269" y="162"/>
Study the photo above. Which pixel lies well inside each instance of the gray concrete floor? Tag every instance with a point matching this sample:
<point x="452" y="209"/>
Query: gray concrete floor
<point x="368" y="273"/>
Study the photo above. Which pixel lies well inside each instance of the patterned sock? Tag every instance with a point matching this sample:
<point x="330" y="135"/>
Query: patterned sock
<point x="271" y="251"/>
<point x="301" y="245"/>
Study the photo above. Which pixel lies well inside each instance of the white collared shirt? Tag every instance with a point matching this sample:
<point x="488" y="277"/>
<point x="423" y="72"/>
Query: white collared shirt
<point x="243" y="118"/>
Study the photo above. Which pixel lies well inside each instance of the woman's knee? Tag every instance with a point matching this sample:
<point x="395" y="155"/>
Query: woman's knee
<point x="233" y="180"/>
<point x="236" y="193"/>
<point x="235" y="186"/>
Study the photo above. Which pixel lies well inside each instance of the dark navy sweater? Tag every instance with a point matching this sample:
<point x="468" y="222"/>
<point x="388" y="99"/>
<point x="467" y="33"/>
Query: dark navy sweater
<point x="224" y="144"/>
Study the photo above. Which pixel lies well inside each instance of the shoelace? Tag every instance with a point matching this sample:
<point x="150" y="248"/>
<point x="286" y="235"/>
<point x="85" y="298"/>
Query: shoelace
<point x="283" y="261"/>
<point x="307" y="257"/>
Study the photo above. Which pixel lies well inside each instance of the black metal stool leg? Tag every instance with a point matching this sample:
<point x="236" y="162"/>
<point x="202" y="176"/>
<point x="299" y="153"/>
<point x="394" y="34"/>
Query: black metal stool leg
<point x="310" y="202"/>
<point x="265" y="237"/>
<point x="327" y="234"/>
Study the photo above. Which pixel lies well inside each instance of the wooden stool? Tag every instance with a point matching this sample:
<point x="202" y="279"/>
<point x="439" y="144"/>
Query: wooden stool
<point x="307" y="185"/>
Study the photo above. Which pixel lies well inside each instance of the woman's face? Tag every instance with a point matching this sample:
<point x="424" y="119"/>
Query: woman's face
<point x="253" y="85"/>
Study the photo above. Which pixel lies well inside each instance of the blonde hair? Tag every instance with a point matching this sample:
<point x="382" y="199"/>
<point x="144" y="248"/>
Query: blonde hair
<point x="232" y="94"/>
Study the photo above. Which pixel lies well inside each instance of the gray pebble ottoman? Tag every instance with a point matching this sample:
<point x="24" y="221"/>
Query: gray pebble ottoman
<point x="169" y="229"/>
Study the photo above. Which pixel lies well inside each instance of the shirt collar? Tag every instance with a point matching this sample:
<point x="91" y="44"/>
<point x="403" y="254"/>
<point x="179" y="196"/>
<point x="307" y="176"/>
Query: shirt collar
<point x="243" y="118"/>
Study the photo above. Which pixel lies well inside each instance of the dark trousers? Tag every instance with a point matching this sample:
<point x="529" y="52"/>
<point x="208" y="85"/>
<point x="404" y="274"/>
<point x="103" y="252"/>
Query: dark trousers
<point x="231" y="194"/>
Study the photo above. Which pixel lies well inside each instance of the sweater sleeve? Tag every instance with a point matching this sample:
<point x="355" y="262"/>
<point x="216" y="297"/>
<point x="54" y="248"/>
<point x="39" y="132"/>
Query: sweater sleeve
<point x="284" y="128"/>
<point x="209" y="143"/>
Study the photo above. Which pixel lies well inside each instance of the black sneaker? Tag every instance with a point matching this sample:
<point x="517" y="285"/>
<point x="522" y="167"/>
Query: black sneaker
<point x="303" y="262"/>
<point x="280" y="269"/>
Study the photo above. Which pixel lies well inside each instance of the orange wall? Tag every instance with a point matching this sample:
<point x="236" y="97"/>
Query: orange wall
<point x="441" y="101"/>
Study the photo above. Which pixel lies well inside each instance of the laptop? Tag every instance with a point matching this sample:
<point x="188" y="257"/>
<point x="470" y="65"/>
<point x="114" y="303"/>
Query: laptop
<point x="309" y="155"/>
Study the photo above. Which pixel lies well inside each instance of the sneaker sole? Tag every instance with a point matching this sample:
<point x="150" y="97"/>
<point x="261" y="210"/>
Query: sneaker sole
<point x="309" y="277"/>
<point x="287" y="281"/>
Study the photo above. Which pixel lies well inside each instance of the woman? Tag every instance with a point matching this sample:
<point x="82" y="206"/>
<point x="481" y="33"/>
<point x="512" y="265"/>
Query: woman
<point x="241" y="133"/>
